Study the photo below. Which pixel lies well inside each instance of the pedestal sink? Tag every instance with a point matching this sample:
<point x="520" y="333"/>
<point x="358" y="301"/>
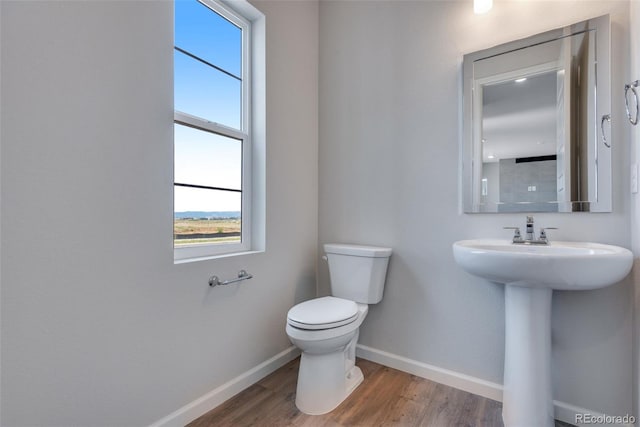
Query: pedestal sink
<point x="530" y="274"/>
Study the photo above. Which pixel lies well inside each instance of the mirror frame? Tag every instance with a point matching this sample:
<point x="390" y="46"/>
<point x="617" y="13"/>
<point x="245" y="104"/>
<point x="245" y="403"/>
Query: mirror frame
<point x="600" y="197"/>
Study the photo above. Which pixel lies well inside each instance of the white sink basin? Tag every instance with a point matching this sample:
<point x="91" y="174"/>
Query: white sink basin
<point x="530" y="274"/>
<point x="559" y="265"/>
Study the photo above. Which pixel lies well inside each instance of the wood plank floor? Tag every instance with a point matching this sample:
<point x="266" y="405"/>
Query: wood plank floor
<point x="386" y="397"/>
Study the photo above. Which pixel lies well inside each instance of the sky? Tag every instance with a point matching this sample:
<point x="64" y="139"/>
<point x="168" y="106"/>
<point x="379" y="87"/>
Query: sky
<point x="202" y="158"/>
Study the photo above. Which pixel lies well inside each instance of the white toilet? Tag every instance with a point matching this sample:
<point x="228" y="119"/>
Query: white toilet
<point x="326" y="329"/>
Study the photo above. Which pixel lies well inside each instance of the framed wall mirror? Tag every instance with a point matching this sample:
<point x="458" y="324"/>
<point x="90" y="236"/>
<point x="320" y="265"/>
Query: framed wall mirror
<point x="536" y="123"/>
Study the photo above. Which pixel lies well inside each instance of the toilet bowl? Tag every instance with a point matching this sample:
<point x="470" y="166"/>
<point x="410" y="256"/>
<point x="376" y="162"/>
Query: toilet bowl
<point x="327" y="373"/>
<point x="326" y="329"/>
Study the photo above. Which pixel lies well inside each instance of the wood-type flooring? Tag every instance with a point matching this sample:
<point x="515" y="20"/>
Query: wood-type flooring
<point x="386" y="397"/>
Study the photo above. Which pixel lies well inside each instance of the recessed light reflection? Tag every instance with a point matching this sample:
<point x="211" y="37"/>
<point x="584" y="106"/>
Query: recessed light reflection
<point x="482" y="6"/>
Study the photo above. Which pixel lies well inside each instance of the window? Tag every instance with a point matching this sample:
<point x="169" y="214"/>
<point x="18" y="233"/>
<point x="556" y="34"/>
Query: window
<point x="213" y="145"/>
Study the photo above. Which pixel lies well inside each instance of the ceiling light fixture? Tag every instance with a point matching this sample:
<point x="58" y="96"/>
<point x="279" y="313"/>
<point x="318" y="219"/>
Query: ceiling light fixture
<point x="520" y="80"/>
<point x="482" y="6"/>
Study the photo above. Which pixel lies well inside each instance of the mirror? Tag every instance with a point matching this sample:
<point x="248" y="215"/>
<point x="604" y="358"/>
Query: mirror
<point x="536" y="124"/>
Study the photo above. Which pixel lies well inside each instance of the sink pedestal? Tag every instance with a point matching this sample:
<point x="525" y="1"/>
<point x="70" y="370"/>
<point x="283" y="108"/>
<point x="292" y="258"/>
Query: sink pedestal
<point x="531" y="273"/>
<point x="527" y="361"/>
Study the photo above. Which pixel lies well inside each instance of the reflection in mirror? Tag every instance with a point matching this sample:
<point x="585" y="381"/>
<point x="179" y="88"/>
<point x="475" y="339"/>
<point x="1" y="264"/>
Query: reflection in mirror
<point x="531" y="140"/>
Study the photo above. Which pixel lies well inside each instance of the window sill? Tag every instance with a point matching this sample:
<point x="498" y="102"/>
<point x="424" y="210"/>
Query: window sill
<point x="212" y="257"/>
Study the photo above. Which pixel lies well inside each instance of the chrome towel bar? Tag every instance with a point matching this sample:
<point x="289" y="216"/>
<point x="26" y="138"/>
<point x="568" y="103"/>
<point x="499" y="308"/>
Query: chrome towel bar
<point x="632" y="86"/>
<point x="605" y="118"/>
<point x="242" y="275"/>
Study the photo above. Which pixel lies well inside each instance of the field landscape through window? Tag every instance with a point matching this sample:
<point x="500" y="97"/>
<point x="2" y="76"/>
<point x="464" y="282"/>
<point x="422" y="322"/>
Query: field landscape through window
<point x="206" y="227"/>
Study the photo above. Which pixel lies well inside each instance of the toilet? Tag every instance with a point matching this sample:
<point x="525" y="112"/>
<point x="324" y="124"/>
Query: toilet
<point x="326" y="329"/>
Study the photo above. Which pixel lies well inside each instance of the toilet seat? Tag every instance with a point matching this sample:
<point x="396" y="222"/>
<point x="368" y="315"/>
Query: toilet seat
<point x="323" y="313"/>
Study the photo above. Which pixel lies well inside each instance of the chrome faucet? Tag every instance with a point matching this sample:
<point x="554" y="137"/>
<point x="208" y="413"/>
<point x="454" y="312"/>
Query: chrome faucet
<point x="530" y="234"/>
<point x="529" y="228"/>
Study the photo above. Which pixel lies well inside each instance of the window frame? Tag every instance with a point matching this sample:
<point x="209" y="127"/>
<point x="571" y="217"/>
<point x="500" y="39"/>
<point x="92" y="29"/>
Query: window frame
<point x="243" y="135"/>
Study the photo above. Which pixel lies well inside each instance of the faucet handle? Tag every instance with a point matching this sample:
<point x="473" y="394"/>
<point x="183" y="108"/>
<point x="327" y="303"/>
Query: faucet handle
<point x="543" y="233"/>
<point x="517" y="237"/>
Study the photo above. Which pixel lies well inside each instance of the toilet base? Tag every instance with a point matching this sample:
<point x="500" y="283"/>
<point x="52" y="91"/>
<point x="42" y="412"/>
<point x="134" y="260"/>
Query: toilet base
<point x="323" y="383"/>
<point x="354" y="379"/>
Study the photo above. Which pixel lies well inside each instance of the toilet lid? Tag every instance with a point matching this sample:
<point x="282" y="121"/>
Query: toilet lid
<point x="323" y="313"/>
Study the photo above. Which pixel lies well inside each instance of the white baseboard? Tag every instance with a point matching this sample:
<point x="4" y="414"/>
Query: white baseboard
<point x="562" y="411"/>
<point x="216" y="397"/>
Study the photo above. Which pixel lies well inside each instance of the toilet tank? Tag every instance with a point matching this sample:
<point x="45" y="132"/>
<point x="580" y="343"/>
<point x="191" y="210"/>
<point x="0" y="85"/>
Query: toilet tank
<point x="357" y="272"/>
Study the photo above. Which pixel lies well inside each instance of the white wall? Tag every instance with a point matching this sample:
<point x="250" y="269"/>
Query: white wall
<point x="635" y="198"/>
<point x="635" y="130"/>
<point x="99" y="327"/>
<point x="389" y="149"/>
